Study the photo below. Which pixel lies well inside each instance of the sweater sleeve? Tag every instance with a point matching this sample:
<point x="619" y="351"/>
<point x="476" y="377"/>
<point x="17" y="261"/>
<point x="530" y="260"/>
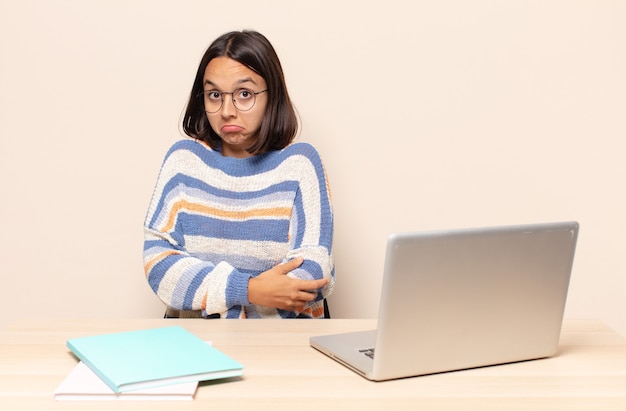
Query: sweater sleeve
<point x="180" y="280"/>
<point x="312" y="222"/>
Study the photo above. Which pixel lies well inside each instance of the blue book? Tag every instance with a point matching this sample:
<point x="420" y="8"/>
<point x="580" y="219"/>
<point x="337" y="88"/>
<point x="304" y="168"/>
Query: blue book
<point x="154" y="357"/>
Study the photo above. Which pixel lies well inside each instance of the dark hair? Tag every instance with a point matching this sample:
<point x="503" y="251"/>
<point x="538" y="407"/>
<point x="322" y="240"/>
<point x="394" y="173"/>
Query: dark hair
<point x="250" y="48"/>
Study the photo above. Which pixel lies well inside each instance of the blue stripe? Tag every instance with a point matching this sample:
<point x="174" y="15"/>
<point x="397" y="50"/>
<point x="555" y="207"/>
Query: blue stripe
<point x="300" y="219"/>
<point x="162" y="244"/>
<point x="193" y="287"/>
<point x="252" y="230"/>
<point x="159" y="270"/>
<point x="234" y="312"/>
<point x="311" y="269"/>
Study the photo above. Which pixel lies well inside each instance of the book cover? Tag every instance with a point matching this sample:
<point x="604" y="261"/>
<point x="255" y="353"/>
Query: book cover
<point x="82" y="384"/>
<point x="154" y="357"/>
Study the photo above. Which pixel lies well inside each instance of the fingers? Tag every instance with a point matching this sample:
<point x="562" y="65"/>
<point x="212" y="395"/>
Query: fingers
<point x="291" y="265"/>
<point x="302" y="298"/>
<point x="308" y="290"/>
<point x="304" y="285"/>
<point x="311" y="286"/>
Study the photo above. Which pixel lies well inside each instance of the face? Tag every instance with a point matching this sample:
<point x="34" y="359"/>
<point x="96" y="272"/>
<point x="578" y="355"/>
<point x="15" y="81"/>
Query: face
<point x="237" y="129"/>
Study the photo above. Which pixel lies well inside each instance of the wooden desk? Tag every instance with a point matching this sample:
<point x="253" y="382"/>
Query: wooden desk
<point x="283" y="373"/>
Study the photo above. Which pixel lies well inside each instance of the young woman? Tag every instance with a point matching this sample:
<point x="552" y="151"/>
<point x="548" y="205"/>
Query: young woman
<point x="240" y="224"/>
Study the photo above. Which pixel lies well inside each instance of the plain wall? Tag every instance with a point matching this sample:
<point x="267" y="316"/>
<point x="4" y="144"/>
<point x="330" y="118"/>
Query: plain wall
<point x="427" y="114"/>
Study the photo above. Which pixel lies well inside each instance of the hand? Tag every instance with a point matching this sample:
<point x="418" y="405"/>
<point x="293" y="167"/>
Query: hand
<point x="273" y="288"/>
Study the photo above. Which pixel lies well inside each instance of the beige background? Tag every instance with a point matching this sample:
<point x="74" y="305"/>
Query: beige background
<point x="428" y="114"/>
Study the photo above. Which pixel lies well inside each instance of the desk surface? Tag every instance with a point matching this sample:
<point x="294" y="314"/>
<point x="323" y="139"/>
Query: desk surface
<point x="282" y="372"/>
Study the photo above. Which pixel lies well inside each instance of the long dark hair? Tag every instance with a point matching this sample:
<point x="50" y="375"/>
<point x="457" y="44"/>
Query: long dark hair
<point x="253" y="50"/>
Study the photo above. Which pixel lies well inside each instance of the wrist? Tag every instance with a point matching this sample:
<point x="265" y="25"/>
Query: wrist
<point x="237" y="292"/>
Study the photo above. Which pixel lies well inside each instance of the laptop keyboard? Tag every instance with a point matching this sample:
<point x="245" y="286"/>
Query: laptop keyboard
<point x="368" y="352"/>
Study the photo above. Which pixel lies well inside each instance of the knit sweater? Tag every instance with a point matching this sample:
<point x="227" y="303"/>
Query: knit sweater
<point x="214" y="222"/>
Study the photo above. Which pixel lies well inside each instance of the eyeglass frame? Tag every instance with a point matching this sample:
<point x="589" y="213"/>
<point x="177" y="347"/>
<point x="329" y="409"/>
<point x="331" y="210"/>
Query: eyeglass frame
<point x="232" y="97"/>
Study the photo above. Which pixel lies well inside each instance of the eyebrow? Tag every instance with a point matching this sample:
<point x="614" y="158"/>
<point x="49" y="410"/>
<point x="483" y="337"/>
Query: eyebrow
<point x="240" y="81"/>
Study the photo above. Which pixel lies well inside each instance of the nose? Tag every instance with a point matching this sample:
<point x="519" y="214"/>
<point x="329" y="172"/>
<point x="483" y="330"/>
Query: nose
<point x="228" y="107"/>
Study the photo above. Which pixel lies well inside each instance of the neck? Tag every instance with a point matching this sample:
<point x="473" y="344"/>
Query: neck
<point x="237" y="152"/>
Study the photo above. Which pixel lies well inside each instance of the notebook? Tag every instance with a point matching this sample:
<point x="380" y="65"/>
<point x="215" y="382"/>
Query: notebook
<point x="82" y="384"/>
<point x="465" y="298"/>
<point x="153" y="357"/>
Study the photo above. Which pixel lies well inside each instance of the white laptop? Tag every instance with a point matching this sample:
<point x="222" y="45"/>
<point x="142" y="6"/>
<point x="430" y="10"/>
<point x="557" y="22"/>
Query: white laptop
<point x="461" y="299"/>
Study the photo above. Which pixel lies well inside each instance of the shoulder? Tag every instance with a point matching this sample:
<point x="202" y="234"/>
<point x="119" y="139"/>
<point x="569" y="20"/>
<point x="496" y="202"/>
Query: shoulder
<point x="189" y="147"/>
<point x="305" y="161"/>
<point x="304" y="150"/>
<point x="187" y="153"/>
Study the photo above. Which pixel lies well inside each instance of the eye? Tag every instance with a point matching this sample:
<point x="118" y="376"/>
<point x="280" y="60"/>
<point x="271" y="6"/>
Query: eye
<point x="243" y="94"/>
<point x="213" y="95"/>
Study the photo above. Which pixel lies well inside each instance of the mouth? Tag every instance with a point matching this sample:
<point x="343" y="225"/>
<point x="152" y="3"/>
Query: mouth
<point x="231" y="128"/>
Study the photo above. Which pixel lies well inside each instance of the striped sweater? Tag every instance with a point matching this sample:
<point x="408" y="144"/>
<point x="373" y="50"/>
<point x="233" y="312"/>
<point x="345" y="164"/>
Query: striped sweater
<point x="214" y="222"/>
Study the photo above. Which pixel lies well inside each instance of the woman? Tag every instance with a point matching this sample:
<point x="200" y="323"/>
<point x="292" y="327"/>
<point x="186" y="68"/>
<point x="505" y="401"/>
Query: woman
<point x="240" y="224"/>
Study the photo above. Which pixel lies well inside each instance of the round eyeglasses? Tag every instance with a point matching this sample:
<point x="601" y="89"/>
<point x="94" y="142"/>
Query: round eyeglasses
<point x="243" y="99"/>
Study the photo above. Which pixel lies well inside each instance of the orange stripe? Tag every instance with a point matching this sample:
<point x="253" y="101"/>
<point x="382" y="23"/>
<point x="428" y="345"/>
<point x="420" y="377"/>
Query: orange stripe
<point x="212" y="211"/>
<point x="330" y="194"/>
<point x="318" y="311"/>
<point x="156" y="259"/>
<point x="314" y="311"/>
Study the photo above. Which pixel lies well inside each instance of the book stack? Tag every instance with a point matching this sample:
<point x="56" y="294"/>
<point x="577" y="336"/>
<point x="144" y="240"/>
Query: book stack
<point x="154" y="364"/>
